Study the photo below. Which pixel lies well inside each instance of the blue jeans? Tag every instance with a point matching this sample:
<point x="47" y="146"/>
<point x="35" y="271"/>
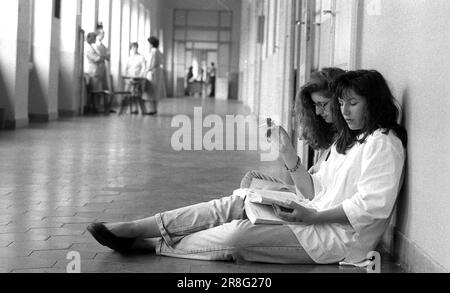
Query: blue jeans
<point x="219" y="230"/>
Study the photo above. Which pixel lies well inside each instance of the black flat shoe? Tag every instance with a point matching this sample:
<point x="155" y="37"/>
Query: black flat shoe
<point x="108" y="239"/>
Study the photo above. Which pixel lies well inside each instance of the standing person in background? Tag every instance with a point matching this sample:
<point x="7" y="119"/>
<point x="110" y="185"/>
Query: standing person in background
<point x="135" y="68"/>
<point x="212" y="79"/>
<point x="106" y="57"/>
<point x="94" y="69"/>
<point x="189" y="80"/>
<point x="156" y="88"/>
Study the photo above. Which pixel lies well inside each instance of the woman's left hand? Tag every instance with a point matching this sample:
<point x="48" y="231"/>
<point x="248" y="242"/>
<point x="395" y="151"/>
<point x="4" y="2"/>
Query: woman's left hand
<point x="296" y="214"/>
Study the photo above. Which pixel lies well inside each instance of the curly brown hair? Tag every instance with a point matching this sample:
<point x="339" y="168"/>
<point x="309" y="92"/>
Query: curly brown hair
<point x="312" y="128"/>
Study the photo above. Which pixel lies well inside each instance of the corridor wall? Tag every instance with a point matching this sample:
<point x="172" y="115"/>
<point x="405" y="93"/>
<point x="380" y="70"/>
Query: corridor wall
<point x="408" y="42"/>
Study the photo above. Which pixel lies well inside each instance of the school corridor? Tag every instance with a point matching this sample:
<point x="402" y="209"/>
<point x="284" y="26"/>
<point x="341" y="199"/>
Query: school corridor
<point x="59" y="177"/>
<point x="69" y="158"/>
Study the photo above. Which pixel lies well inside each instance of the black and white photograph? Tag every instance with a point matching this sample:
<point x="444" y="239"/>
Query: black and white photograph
<point x="222" y="143"/>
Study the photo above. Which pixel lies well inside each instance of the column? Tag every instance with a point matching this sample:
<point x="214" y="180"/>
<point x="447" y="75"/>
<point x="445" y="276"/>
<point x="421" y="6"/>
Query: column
<point x="104" y="16"/>
<point x="15" y="23"/>
<point x="126" y="25"/>
<point x="71" y="58"/>
<point x="116" y="42"/>
<point x="89" y="17"/>
<point x="44" y="76"/>
<point x="134" y="29"/>
<point x="141" y="28"/>
<point x="147" y="32"/>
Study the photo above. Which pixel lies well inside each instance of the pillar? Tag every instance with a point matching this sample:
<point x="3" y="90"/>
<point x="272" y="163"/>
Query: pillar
<point x="89" y="17"/>
<point x="104" y="16"/>
<point x="70" y="69"/>
<point x="116" y="41"/>
<point x="44" y="76"/>
<point x="15" y="23"/>
<point x="134" y="29"/>
<point x="147" y="32"/>
<point x="141" y="33"/>
<point x="126" y="25"/>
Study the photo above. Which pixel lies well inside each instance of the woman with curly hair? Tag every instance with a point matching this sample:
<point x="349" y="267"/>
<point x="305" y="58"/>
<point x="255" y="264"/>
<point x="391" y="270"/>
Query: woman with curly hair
<point x="315" y="122"/>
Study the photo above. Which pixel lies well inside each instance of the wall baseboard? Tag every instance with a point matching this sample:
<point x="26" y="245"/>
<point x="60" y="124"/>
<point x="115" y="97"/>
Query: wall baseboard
<point x="68" y="113"/>
<point x="42" y="118"/>
<point x="15" y="124"/>
<point x="412" y="258"/>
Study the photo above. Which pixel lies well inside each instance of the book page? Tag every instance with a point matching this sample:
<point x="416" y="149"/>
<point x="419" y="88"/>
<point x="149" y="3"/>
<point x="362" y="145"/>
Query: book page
<point x="262" y="214"/>
<point x="269" y="197"/>
<point x="268" y="185"/>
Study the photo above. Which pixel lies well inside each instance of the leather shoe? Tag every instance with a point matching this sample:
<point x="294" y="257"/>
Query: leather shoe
<point x="108" y="239"/>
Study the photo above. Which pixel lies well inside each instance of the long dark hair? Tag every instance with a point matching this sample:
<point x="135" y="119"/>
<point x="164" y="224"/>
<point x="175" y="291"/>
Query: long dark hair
<point x="313" y="129"/>
<point x="382" y="108"/>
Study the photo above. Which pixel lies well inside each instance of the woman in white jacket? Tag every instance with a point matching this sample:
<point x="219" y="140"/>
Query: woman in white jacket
<point x="156" y="87"/>
<point x="351" y="196"/>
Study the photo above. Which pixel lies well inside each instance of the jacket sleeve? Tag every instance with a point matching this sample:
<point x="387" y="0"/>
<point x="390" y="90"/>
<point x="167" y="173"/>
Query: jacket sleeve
<point x="378" y="186"/>
<point x="93" y="56"/>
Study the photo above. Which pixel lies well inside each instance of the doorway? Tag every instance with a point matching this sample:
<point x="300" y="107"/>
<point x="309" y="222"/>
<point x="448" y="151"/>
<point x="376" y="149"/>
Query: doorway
<point x="200" y="37"/>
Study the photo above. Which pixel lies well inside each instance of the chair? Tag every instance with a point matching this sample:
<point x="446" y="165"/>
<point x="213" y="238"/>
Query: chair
<point x="137" y="85"/>
<point x="107" y="95"/>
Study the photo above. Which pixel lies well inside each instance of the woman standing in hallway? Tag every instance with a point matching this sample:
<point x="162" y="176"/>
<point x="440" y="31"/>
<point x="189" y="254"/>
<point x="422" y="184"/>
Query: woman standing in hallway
<point x="95" y="68"/>
<point x="352" y="195"/>
<point x="104" y="53"/>
<point x="134" y="70"/>
<point x="316" y="121"/>
<point x="156" y="88"/>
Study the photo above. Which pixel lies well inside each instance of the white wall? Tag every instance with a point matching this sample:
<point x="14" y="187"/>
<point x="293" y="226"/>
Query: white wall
<point x="409" y="43"/>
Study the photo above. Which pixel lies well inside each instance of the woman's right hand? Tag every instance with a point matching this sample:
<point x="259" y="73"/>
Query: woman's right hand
<point x="280" y="140"/>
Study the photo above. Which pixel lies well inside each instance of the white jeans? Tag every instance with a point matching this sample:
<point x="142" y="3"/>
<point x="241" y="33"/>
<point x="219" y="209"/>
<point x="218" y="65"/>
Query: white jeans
<point x="219" y="230"/>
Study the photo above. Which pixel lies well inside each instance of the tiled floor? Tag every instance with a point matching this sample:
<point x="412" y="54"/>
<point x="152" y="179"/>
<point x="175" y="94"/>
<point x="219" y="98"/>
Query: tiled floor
<point x="56" y="178"/>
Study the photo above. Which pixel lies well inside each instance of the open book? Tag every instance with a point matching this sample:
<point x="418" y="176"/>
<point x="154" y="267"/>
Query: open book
<point x="258" y="204"/>
<point x="268" y="185"/>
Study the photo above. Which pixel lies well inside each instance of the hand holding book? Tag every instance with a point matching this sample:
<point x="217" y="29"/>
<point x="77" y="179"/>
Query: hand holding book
<point x="274" y="207"/>
<point x="295" y="212"/>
